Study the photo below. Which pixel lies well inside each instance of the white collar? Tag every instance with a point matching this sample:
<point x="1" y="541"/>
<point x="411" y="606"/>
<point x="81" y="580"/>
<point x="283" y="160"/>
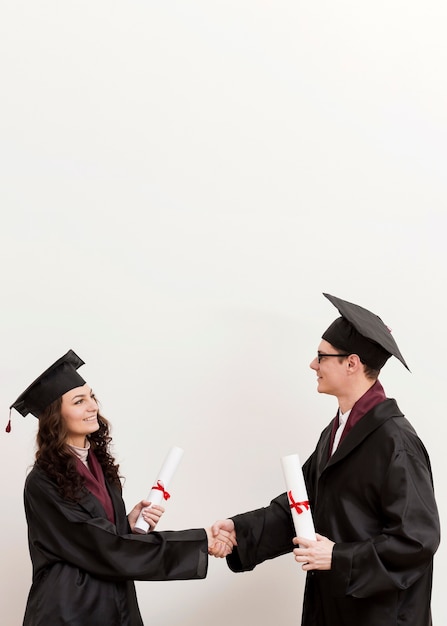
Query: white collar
<point x="343" y="417"/>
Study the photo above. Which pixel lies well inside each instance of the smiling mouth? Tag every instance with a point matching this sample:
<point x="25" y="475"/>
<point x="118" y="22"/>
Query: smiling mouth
<point x="90" y="419"/>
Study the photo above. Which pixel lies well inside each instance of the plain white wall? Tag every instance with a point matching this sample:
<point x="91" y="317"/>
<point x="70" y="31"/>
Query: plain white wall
<point x="180" y="181"/>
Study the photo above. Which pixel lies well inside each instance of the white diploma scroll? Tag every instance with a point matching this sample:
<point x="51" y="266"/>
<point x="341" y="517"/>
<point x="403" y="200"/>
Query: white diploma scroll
<point x="297" y="496"/>
<point x="158" y="493"/>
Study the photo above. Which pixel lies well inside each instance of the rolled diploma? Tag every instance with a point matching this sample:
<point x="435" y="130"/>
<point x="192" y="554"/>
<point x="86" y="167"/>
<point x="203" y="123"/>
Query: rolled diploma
<point x="156" y="495"/>
<point x="297" y="496"/>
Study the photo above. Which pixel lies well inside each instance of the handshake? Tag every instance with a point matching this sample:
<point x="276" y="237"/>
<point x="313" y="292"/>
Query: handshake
<point x="221" y="538"/>
<point x="221" y="535"/>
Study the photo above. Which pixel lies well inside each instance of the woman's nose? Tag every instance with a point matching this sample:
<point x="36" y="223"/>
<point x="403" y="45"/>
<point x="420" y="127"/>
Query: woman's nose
<point x="93" y="404"/>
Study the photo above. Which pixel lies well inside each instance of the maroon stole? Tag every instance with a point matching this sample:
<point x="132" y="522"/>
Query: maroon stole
<point x="96" y="484"/>
<point x="368" y="401"/>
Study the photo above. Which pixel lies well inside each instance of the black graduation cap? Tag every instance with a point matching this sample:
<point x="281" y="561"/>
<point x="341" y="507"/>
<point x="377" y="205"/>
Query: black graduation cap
<point x="53" y="383"/>
<point x="361" y="332"/>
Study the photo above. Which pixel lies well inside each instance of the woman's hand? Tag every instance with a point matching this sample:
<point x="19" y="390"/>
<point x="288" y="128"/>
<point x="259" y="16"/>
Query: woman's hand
<point x="151" y="514"/>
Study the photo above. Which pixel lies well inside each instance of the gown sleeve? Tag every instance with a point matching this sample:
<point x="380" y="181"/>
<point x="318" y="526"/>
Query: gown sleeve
<point x="262" y="534"/>
<point x="61" y="531"/>
<point x="398" y="556"/>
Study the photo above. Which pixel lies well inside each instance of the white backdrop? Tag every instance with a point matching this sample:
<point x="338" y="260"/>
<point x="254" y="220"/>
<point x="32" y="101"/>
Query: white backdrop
<point x="180" y="181"/>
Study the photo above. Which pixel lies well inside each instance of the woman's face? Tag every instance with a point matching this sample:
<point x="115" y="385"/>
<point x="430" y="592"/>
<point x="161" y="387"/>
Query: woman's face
<point x="79" y="410"/>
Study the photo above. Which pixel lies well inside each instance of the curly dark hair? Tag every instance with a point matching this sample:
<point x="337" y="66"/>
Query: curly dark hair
<point x="55" y="458"/>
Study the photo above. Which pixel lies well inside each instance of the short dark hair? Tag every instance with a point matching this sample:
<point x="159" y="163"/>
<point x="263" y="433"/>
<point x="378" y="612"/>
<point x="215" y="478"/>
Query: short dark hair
<point x="370" y="372"/>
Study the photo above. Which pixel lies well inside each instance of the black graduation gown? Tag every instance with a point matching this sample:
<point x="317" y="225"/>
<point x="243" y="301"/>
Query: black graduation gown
<point x="84" y="566"/>
<point x="374" y="498"/>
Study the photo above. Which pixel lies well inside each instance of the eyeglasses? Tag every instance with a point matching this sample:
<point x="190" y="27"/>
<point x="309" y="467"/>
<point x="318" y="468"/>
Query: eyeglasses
<point x="320" y="355"/>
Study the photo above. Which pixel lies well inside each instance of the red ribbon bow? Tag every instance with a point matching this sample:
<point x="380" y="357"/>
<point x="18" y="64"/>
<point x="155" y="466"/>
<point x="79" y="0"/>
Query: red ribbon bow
<point x="160" y="487"/>
<point x="297" y="505"/>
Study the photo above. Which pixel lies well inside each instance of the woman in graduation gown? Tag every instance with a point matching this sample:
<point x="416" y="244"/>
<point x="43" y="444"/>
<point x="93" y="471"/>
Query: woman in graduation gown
<point x="371" y="494"/>
<point x="85" y="557"/>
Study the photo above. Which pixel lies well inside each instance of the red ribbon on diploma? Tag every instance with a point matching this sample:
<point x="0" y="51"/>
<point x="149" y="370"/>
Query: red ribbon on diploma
<point x="297" y="505"/>
<point x="160" y="487"/>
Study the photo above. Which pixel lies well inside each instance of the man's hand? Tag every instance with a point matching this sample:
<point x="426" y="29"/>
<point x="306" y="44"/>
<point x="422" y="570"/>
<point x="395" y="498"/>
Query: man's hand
<point x="221" y="538"/>
<point x="314" y="554"/>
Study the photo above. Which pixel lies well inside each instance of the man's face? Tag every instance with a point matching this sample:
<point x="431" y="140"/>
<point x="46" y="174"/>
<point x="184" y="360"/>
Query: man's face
<point x="330" y="370"/>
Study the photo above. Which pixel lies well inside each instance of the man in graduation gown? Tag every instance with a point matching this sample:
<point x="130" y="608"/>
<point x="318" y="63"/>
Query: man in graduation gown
<point x="370" y="490"/>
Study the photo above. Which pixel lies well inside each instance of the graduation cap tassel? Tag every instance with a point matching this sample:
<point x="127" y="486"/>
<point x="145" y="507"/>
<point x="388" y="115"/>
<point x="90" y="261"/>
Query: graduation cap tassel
<point x="8" y="425"/>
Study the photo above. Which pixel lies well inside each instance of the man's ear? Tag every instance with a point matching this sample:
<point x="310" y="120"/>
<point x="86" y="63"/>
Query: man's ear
<point x="353" y="362"/>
